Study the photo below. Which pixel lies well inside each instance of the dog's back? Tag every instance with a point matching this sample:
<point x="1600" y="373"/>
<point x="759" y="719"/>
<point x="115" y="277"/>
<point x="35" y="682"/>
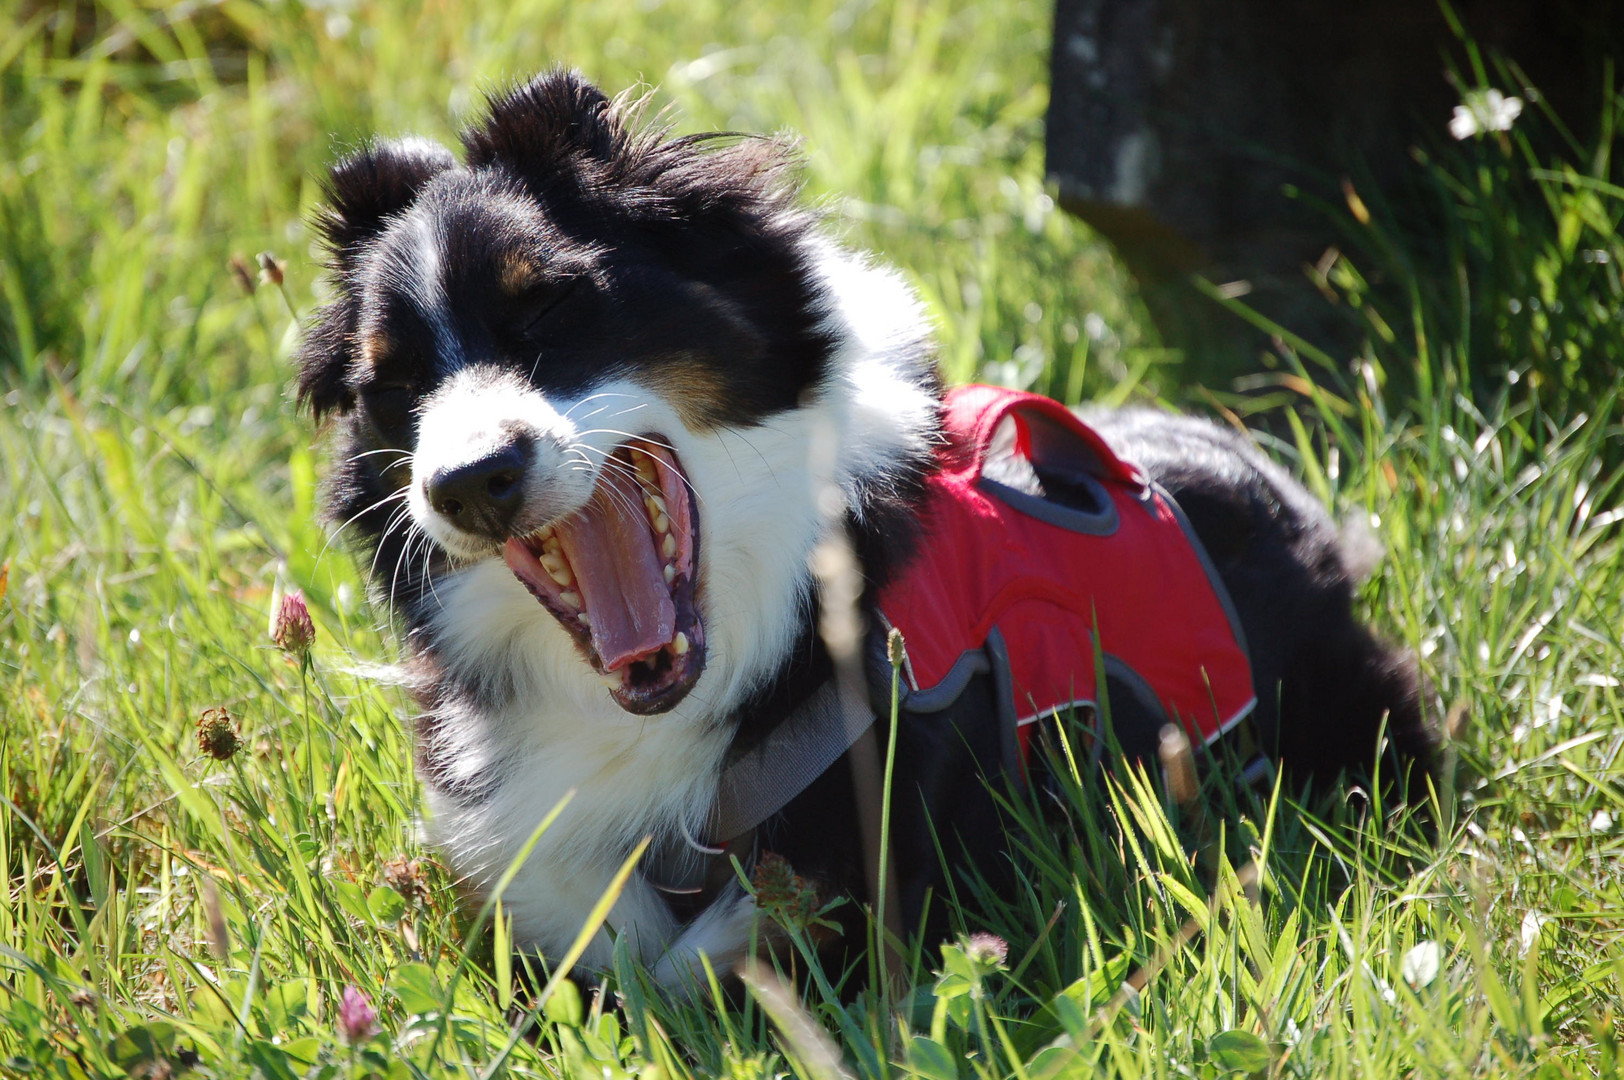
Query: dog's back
<point x="1327" y="687"/>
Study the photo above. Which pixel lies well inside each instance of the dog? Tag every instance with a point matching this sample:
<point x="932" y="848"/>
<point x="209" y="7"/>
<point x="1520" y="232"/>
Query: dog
<point x="598" y="394"/>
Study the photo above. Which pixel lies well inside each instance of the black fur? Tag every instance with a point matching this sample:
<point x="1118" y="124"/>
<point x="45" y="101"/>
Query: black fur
<point x="573" y="246"/>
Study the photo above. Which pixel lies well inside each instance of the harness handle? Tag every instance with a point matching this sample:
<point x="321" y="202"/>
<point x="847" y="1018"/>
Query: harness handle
<point x="1044" y="431"/>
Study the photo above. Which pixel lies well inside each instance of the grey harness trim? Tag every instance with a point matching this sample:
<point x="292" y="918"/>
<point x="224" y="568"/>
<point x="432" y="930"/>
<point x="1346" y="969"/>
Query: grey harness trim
<point x="754" y="787"/>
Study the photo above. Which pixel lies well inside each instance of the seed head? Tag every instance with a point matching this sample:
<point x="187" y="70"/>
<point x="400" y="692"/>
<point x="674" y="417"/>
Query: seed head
<point x="217" y="734"/>
<point x="1178" y="763"/>
<point x="270" y="269"/>
<point x="242" y="275"/>
<point x="215" y="927"/>
<point x="895" y="650"/>
<point x="405" y="876"/>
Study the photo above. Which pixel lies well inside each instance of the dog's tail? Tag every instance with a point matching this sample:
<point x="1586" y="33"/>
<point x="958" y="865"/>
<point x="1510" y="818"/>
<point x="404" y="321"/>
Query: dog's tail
<point x="1362" y="549"/>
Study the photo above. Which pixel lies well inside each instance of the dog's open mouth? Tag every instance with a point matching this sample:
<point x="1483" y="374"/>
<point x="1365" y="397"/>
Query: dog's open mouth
<point x="619" y="577"/>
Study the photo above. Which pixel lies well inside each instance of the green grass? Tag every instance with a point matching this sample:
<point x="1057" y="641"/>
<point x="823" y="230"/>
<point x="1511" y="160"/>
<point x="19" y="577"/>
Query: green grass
<point x="155" y="487"/>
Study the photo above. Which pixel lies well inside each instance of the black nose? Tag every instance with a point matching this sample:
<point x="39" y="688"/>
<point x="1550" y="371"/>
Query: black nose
<point x="482" y="496"/>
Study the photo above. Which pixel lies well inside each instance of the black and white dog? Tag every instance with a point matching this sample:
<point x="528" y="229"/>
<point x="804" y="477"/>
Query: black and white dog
<point x="592" y="386"/>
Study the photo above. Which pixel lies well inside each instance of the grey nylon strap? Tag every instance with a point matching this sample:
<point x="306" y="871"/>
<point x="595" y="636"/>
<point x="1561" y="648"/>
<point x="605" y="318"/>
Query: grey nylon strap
<point x="760" y="783"/>
<point x="781" y="766"/>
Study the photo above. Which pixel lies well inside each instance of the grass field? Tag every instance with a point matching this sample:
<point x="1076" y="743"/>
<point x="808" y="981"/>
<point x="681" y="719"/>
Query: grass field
<point x="166" y="911"/>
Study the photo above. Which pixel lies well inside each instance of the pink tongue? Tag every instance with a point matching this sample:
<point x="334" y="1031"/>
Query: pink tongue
<point x="610" y="547"/>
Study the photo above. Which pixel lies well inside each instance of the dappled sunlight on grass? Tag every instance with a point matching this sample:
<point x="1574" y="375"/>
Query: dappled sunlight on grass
<point x="210" y="902"/>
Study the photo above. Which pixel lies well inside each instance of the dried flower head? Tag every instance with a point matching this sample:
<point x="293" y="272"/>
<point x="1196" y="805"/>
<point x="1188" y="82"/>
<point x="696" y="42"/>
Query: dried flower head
<point x="782" y="894"/>
<point x="270" y="269"/>
<point x="217" y="734"/>
<point x="405" y="876"/>
<point x="357" y="1019"/>
<point x="291" y="626"/>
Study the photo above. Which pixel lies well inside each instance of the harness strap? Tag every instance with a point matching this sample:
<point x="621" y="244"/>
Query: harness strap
<point x="754" y="787"/>
<point x="784" y="764"/>
<point x="810" y="740"/>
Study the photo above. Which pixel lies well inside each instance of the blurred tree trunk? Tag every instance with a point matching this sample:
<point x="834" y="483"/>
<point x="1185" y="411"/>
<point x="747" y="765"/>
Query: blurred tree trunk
<point x="1177" y="128"/>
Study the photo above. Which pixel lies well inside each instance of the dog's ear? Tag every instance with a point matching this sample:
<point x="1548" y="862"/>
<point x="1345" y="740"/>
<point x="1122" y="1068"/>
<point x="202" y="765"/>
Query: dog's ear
<point x="324" y="360"/>
<point x="368" y="186"/>
<point x="363" y="190"/>
<point x="546" y="126"/>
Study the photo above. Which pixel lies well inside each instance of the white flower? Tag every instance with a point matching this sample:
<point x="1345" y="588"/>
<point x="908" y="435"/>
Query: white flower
<point x="1421" y="964"/>
<point x="1502" y="111"/>
<point x="1532" y="924"/>
<point x="1484" y="111"/>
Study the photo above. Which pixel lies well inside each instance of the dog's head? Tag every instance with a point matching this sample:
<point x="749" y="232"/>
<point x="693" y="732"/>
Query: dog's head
<point x="582" y="380"/>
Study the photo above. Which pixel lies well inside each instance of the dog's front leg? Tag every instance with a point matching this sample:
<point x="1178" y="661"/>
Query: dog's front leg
<point x="548" y="902"/>
<point x="722" y="933"/>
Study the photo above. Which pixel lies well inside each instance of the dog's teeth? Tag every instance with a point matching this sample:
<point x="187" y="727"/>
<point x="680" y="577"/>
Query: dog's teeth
<point x="670" y="573"/>
<point x="669" y="547"/>
<point x="571" y="598"/>
<point x="679" y="644"/>
<point x="558" y="570"/>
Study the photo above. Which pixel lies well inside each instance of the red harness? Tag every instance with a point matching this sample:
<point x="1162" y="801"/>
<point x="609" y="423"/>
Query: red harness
<point x="1002" y="571"/>
<point x="1013" y="586"/>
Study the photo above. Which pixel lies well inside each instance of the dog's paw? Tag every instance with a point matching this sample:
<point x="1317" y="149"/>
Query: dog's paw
<point x="722" y="934"/>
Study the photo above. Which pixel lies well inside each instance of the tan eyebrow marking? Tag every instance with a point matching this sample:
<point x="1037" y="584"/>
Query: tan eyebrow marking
<point x="695" y="391"/>
<point x="516" y="273"/>
<point x="375" y="350"/>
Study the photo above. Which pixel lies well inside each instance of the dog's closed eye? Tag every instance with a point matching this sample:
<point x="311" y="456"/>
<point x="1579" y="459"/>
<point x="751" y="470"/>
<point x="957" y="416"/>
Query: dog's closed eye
<point x="389" y="407"/>
<point x="543" y="298"/>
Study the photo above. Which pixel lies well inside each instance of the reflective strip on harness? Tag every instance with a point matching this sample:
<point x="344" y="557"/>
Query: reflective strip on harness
<point x="1116" y="559"/>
